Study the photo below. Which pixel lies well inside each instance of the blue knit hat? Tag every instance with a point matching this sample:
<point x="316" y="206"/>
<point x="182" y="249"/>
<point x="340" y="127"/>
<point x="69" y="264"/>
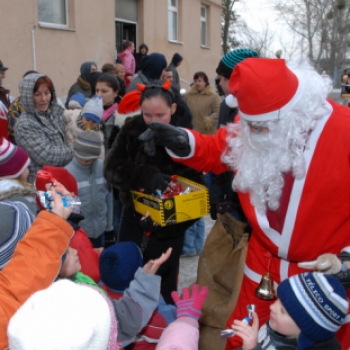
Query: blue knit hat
<point x="93" y="109"/>
<point x="77" y="100"/>
<point x="231" y="59"/>
<point x="118" y="264"/>
<point x="317" y="303"/>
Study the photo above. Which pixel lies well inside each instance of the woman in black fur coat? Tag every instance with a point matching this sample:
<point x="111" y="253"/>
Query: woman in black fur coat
<point x="128" y="167"/>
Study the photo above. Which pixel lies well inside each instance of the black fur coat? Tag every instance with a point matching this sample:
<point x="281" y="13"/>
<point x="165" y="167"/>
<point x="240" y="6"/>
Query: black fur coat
<point x="129" y="167"/>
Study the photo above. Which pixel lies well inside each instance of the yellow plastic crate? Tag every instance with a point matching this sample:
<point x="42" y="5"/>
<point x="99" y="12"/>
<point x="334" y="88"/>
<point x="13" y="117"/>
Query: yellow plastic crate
<point x="173" y="210"/>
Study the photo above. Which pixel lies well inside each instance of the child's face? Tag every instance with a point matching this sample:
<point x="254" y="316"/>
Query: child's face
<point x="88" y="123"/>
<point x="85" y="162"/>
<point x="23" y="177"/>
<point x="281" y="322"/>
<point x="71" y="264"/>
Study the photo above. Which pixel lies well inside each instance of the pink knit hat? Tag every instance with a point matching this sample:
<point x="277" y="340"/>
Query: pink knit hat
<point x="13" y="160"/>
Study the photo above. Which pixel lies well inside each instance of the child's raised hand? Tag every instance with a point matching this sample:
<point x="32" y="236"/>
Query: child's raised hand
<point x="153" y="265"/>
<point x="249" y="334"/>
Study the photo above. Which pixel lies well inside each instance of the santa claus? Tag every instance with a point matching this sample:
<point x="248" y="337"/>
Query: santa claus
<point x="290" y="150"/>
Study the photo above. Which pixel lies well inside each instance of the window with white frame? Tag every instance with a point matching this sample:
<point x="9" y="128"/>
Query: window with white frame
<point x="53" y="12"/>
<point x="173" y="20"/>
<point x="203" y="25"/>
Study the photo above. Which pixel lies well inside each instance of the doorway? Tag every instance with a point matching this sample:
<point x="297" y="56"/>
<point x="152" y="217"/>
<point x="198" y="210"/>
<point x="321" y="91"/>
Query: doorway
<point x="124" y="31"/>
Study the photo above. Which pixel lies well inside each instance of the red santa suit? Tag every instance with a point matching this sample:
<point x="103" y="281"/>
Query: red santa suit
<point x="313" y="217"/>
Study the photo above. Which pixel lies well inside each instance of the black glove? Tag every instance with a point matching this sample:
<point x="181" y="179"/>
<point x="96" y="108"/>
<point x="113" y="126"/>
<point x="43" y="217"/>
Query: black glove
<point x="148" y="225"/>
<point x="158" y="182"/>
<point x="166" y="135"/>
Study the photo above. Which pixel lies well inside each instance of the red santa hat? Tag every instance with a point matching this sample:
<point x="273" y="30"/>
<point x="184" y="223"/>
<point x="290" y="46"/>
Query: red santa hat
<point x="266" y="89"/>
<point x="61" y="175"/>
<point x="128" y="107"/>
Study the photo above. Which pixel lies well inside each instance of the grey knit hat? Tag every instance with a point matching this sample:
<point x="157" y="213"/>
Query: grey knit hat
<point x="87" y="145"/>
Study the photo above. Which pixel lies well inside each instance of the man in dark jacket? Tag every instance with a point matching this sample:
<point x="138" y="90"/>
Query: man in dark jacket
<point x="222" y="197"/>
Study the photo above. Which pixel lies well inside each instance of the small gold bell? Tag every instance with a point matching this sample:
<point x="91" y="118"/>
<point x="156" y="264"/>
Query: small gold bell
<point x="266" y="290"/>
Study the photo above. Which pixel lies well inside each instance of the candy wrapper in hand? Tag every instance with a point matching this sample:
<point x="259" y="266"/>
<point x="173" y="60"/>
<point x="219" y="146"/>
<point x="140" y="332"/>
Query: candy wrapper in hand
<point x="68" y="201"/>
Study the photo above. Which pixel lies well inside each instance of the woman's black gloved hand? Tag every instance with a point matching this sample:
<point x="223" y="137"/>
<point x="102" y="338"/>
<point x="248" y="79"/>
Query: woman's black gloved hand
<point x="148" y="225"/>
<point x="158" y="182"/>
<point x="166" y="135"/>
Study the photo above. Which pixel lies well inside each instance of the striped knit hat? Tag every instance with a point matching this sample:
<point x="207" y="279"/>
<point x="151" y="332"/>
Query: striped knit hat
<point x="16" y="219"/>
<point x="87" y="145"/>
<point x="13" y="160"/>
<point x="229" y="61"/>
<point x="317" y="303"/>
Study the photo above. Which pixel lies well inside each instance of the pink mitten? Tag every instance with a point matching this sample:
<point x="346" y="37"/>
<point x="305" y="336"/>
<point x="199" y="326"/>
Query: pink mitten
<point x="190" y="306"/>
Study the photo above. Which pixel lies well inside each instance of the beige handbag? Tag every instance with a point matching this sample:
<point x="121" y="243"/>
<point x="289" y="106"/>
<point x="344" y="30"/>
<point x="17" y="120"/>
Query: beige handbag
<point x="220" y="267"/>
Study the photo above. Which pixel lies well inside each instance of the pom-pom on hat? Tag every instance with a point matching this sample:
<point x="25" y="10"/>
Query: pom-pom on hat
<point x="78" y="100"/>
<point x="93" y="109"/>
<point x="61" y="175"/>
<point x="231" y="59"/>
<point x="118" y="264"/>
<point x="87" y="145"/>
<point x="13" y="160"/>
<point x="266" y="89"/>
<point x="66" y="315"/>
<point x="317" y="303"/>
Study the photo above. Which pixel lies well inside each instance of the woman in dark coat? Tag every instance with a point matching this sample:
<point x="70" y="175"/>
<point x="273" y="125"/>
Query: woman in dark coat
<point x="129" y="167"/>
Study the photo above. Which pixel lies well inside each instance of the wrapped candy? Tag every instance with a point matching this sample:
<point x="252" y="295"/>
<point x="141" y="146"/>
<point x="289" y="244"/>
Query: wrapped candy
<point x="46" y="200"/>
<point x="228" y="333"/>
<point x="45" y="197"/>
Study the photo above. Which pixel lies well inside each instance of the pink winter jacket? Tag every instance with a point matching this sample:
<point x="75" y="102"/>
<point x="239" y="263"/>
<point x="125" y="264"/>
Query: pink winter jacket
<point x="183" y="334"/>
<point x="128" y="62"/>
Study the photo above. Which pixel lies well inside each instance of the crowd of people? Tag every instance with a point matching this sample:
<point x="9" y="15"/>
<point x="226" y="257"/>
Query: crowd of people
<point x="105" y="276"/>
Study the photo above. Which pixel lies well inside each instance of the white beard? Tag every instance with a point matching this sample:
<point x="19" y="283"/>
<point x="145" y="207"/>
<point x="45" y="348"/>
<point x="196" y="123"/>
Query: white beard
<point x="261" y="159"/>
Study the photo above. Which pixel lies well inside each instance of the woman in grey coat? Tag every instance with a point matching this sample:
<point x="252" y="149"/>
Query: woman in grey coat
<point x="41" y="129"/>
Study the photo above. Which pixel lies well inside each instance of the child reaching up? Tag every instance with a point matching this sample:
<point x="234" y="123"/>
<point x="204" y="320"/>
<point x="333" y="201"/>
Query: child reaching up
<point x="68" y="315"/>
<point x="310" y="310"/>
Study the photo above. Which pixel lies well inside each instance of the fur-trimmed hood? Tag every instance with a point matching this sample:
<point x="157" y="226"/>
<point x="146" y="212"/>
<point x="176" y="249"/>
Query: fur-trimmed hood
<point x="208" y="90"/>
<point x="12" y="188"/>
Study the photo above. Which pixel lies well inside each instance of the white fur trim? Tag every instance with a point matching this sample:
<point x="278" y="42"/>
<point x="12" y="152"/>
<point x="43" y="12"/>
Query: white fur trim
<point x="280" y="113"/>
<point x="346" y="250"/>
<point x="231" y="101"/>
<point x="192" y="143"/>
<point x="298" y="185"/>
<point x="254" y="276"/>
<point x="119" y="119"/>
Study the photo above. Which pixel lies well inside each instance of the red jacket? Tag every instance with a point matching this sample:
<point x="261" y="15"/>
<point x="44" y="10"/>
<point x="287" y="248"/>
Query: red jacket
<point x="316" y="217"/>
<point x="34" y="265"/>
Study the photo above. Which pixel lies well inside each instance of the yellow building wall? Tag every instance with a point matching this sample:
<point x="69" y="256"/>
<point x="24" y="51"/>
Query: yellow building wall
<point x="153" y="30"/>
<point x="59" y="53"/>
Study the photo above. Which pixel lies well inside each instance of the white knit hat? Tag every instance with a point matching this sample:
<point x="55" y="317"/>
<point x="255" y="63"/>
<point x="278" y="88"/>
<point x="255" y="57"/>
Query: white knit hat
<point x="64" y="316"/>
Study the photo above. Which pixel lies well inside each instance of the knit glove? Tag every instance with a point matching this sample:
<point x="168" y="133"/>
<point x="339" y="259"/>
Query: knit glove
<point x="158" y="182"/>
<point x="208" y="122"/>
<point x="326" y="263"/>
<point x="190" y="306"/>
<point x="166" y="135"/>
